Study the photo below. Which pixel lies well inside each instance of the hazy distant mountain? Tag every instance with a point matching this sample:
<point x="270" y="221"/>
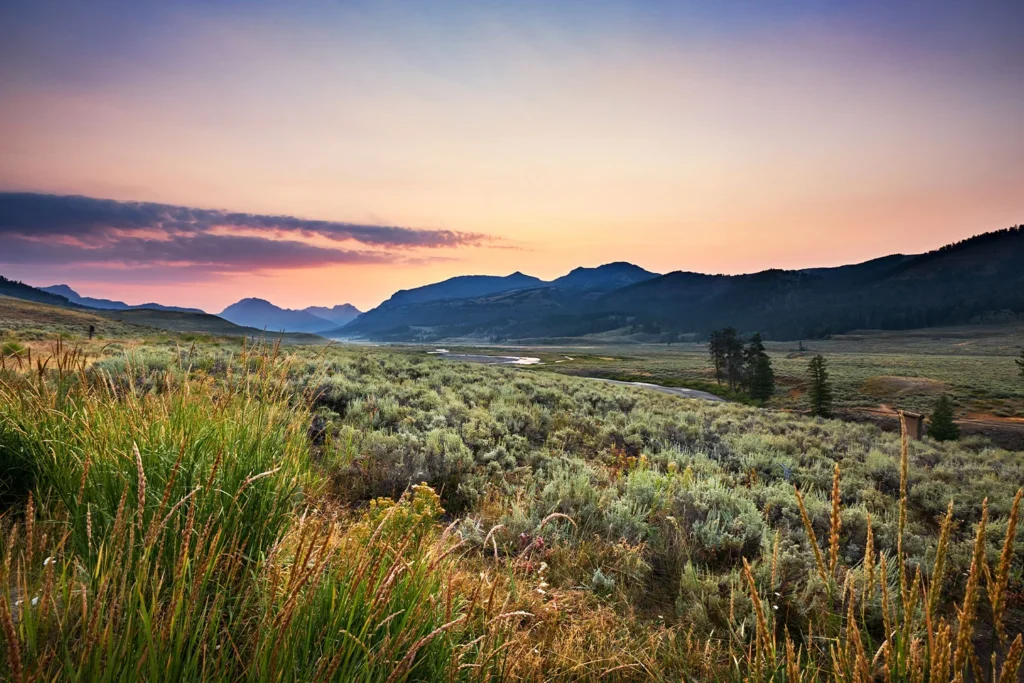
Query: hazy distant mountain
<point x="604" y="278"/>
<point x="339" y="315"/>
<point x="262" y="314"/>
<point x="108" y="304"/>
<point x="956" y="284"/>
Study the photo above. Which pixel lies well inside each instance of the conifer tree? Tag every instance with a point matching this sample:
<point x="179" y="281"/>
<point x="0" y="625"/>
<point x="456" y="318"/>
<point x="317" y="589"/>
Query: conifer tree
<point x="716" y="349"/>
<point x="1020" y="363"/>
<point x="734" y="369"/>
<point x="760" y="377"/>
<point x="941" y="427"/>
<point x="819" y="391"/>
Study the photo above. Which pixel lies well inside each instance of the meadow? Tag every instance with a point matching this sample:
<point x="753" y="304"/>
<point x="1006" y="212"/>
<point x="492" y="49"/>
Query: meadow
<point x="873" y="374"/>
<point x="177" y="510"/>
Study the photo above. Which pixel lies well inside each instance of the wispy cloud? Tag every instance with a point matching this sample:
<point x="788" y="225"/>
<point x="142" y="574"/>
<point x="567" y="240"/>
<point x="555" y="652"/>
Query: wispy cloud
<point x="45" y="229"/>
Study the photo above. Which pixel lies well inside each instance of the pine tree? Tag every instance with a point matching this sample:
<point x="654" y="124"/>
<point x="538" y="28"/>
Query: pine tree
<point x="716" y="349"/>
<point x="819" y="392"/>
<point x="1020" y="363"/>
<point x="941" y="427"/>
<point x="734" y="369"/>
<point x="760" y="377"/>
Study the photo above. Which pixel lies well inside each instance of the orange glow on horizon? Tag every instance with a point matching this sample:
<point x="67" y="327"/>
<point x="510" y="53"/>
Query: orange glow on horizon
<point x="808" y="143"/>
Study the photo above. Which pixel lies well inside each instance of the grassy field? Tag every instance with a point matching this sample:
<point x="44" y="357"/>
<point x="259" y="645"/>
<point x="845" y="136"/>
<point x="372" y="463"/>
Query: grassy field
<point x="904" y="370"/>
<point x="182" y="511"/>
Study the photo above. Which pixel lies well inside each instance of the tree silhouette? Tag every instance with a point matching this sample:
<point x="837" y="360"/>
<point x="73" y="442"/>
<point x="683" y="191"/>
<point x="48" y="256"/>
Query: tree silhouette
<point x="716" y="349"/>
<point x="819" y="391"/>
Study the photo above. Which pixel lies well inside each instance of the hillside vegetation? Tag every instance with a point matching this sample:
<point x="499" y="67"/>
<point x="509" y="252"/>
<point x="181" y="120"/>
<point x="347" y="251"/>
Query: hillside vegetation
<point x="226" y="513"/>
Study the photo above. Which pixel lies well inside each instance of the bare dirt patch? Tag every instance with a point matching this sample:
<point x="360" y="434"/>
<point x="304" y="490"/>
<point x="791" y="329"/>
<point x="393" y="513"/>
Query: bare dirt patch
<point x="888" y="385"/>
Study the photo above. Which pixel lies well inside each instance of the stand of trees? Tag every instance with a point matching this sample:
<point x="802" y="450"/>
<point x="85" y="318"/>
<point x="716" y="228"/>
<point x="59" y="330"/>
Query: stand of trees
<point x="743" y="367"/>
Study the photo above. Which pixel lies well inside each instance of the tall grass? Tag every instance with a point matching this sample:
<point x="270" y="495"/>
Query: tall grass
<point x="917" y="643"/>
<point x="175" y="533"/>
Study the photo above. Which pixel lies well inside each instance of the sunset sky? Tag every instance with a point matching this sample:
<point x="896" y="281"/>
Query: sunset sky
<point x="325" y="152"/>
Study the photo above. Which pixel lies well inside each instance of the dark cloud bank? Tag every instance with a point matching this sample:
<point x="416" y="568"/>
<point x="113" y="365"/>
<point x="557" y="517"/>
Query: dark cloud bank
<point x="49" y="230"/>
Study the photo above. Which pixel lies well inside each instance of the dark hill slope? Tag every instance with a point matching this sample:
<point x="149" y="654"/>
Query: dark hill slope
<point x="949" y="286"/>
<point x="19" y="290"/>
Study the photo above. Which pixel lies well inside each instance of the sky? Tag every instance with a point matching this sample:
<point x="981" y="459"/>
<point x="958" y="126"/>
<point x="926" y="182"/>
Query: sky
<point x="315" y="153"/>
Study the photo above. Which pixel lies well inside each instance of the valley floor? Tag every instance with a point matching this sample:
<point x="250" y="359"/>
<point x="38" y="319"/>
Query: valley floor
<point x="206" y="509"/>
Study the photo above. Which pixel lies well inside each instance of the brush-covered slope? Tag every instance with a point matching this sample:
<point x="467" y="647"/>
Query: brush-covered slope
<point x="204" y="323"/>
<point x="26" y="320"/>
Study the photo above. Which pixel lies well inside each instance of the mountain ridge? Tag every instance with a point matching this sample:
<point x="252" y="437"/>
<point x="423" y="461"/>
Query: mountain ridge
<point x="262" y="314"/>
<point x="109" y="304"/>
<point x="950" y="285"/>
<point x="954" y="284"/>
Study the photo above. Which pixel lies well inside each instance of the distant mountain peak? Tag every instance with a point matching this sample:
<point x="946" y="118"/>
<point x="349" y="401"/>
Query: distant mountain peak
<point x="339" y="314"/>
<point x="262" y="314"/>
<point x="606" y="278"/>
<point x="61" y="290"/>
<point x="463" y="287"/>
<point x="250" y="300"/>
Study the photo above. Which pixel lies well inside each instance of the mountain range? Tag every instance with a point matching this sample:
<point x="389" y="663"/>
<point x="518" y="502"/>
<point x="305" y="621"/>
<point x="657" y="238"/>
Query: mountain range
<point x="975" y="279"/>
<point x="262" y="314"/>
<point x="109" y="304"/>
<point x="959" y="283"/>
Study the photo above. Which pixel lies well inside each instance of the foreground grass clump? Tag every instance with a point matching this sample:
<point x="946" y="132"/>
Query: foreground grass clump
<point x="349" y="514"/>
<point x="174" y="535"/>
